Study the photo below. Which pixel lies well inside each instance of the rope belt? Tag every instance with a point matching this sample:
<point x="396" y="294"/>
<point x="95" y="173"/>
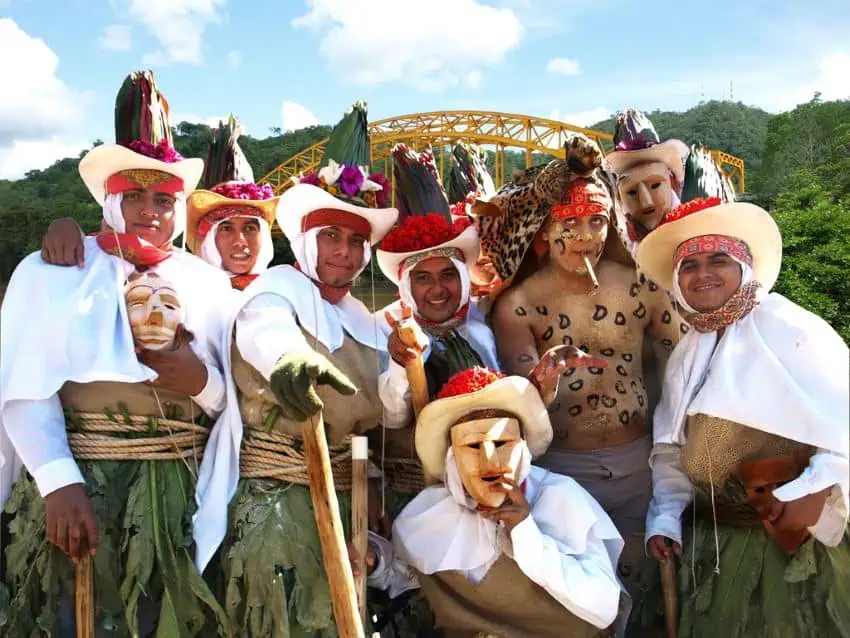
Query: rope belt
<point x="103" y="437"/>
<point x="276" y="455"/>
<point x="403" y="475"/>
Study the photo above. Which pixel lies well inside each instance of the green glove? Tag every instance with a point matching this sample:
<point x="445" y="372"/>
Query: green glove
<point x="292" y="383"/>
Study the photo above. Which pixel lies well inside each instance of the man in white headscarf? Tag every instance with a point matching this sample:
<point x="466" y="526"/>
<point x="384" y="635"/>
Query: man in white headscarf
<point x="134" y="332"/>
<point x="293" y="327"/>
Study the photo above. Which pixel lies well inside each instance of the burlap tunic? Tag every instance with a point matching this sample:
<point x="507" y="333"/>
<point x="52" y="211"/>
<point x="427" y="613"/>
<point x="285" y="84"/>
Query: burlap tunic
<point x="506" y="603"/>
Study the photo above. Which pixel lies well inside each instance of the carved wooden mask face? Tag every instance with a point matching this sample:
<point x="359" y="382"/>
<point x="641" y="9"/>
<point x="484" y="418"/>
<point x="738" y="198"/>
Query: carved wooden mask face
<point x="486" y="451"/>
<point x="646" y="194"/>
<point x="154" y="310"/>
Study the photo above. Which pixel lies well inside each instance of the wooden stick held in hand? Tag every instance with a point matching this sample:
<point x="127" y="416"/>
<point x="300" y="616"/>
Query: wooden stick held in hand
<point x="329" y="523"/>
<point x="670" y="592"/>
<point x="410" y="334"/>
<point x="360" y="515"/>
<point x="84" y="597"/>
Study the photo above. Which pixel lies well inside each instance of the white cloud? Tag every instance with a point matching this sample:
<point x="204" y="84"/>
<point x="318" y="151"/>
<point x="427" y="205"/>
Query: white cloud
<point x="234" y="59"/>
<point x="23" y="156"/>
<point x="370" y="42"/>
<point x="832" y="81"/>
<point x="582" y="118"/>
<point x="178" y="25"/>
<point x="294" y="116"/>
<point x="564" y="66"/>
<point x="116" y="37"/>
<point x="36" y="107"/>
<point x="473" y="79"/>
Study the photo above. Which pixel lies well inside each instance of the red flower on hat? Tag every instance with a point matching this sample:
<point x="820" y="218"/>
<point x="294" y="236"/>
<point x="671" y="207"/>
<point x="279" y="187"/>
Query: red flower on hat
<point x="421" y="232"/>
<point x="469" y="381"/>
<point x="691" y="207"/>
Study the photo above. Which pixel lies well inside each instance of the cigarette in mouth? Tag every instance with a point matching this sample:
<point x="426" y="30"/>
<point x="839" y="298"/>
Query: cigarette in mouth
<point x="592" y="274"/>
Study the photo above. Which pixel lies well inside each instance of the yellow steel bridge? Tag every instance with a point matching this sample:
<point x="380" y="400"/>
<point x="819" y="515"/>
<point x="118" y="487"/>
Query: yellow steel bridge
<point x="442" y="129"/>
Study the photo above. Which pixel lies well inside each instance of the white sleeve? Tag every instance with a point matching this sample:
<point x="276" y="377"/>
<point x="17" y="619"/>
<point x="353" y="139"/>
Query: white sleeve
<point x="211" y="399"/>
<point x="584" y="583"/>
<point x="826" y="470"/>
<point x="394" y="391"/>
<point x="266" y="330"/>
<point x="672" y="491"/>
<point x="390" y="574"/>
<point x="37" y="430"/>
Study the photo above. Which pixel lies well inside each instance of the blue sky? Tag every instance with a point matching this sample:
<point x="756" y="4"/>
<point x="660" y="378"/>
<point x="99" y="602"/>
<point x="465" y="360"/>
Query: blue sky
<point x="290" y="63"/>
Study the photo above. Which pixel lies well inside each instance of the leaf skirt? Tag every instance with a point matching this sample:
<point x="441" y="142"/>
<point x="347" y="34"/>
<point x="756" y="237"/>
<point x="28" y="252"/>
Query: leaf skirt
<point x="143" y="512"/>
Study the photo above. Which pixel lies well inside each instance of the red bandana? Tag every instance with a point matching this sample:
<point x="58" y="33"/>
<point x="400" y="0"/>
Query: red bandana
<point x="332" y="217"/>
<point x="714" y="244"/>
<point x="144" y="178"/>
<point x="133" y="249"/>
<point x="240" y="282"/>
<point x="225" y="212"/>
<point x="583" y="199"/>
<point x="331" y="294"/>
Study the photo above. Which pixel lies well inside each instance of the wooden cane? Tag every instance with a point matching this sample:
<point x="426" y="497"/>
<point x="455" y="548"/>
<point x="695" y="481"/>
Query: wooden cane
<point x="408" y="333"/>
<point x="360" y="515"/>
<point x="670" y="592"/>
<point x="84" y="597"/>
<point x="329" y="524"/>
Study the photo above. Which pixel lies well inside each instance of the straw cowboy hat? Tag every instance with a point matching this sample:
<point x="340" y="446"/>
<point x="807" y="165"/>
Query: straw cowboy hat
<point x="202" y="202"/>
<point x="102" y="162"/>
<point x="747" y="222"/>
<point x="516" y="395"/>
<point x="464" y="242"/>
<point x="298" y="202"/>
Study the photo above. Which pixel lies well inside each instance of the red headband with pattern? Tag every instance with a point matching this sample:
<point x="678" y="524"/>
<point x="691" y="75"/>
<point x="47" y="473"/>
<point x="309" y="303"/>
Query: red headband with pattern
<point x="733" y="246"/>
<point x="145" y="179"/>
<point x="225" y="212"/>
<point x="333" y="217"/>
<point x="584" y="198"/>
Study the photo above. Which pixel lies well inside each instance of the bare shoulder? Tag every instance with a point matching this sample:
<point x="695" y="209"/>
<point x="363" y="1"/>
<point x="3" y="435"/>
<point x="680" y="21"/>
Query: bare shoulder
<point x="510" y="305"/>
<point x="615" y="271"/>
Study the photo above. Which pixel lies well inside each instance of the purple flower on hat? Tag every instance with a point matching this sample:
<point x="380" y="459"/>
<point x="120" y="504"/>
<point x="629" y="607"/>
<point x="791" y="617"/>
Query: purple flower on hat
<point x="244" y="190"/>
<point x="310" y="178"/>
<point x="350" y="180"/>
<point x="634" y="131"/>
<point x="382" y="197"/>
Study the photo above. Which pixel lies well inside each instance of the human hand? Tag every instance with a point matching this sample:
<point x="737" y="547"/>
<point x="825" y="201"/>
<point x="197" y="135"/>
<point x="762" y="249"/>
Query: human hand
<point x="661" y="548"/>
<point x="179" y="369"/>
<point x="354" y="559"/>
<point x="292" y="383"/>
<point x="401" y="347"/>
<point x="63" y="244"/>
<point x="71" y="523"/>
<point x="547" y="372"/>
<point x="515" y="508"/>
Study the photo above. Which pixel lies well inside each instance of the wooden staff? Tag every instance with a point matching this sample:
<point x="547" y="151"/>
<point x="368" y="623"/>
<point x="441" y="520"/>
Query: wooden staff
<point x="409" y="333"/>
<point x="329" y="524"/>
<point x="360" y="515"/>
<point x="84" y="597"/>
<point x="670" y="592"/>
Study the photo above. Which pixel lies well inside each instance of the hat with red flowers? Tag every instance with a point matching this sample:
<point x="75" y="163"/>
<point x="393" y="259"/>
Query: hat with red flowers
<point x="428" y="226"/>
<point x="144" y="155"/>
<point x="733" y="227"/>
<point x="477" y="389"/>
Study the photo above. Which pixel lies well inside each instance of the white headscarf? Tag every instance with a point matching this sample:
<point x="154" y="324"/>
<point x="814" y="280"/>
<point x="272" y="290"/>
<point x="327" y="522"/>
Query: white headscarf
<point x="407" y="297"/>
<point x="114" y="216"/>
<point x="209" y="251"/>
<point x="305" y="247"/>
<point x="441" y="529"/>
